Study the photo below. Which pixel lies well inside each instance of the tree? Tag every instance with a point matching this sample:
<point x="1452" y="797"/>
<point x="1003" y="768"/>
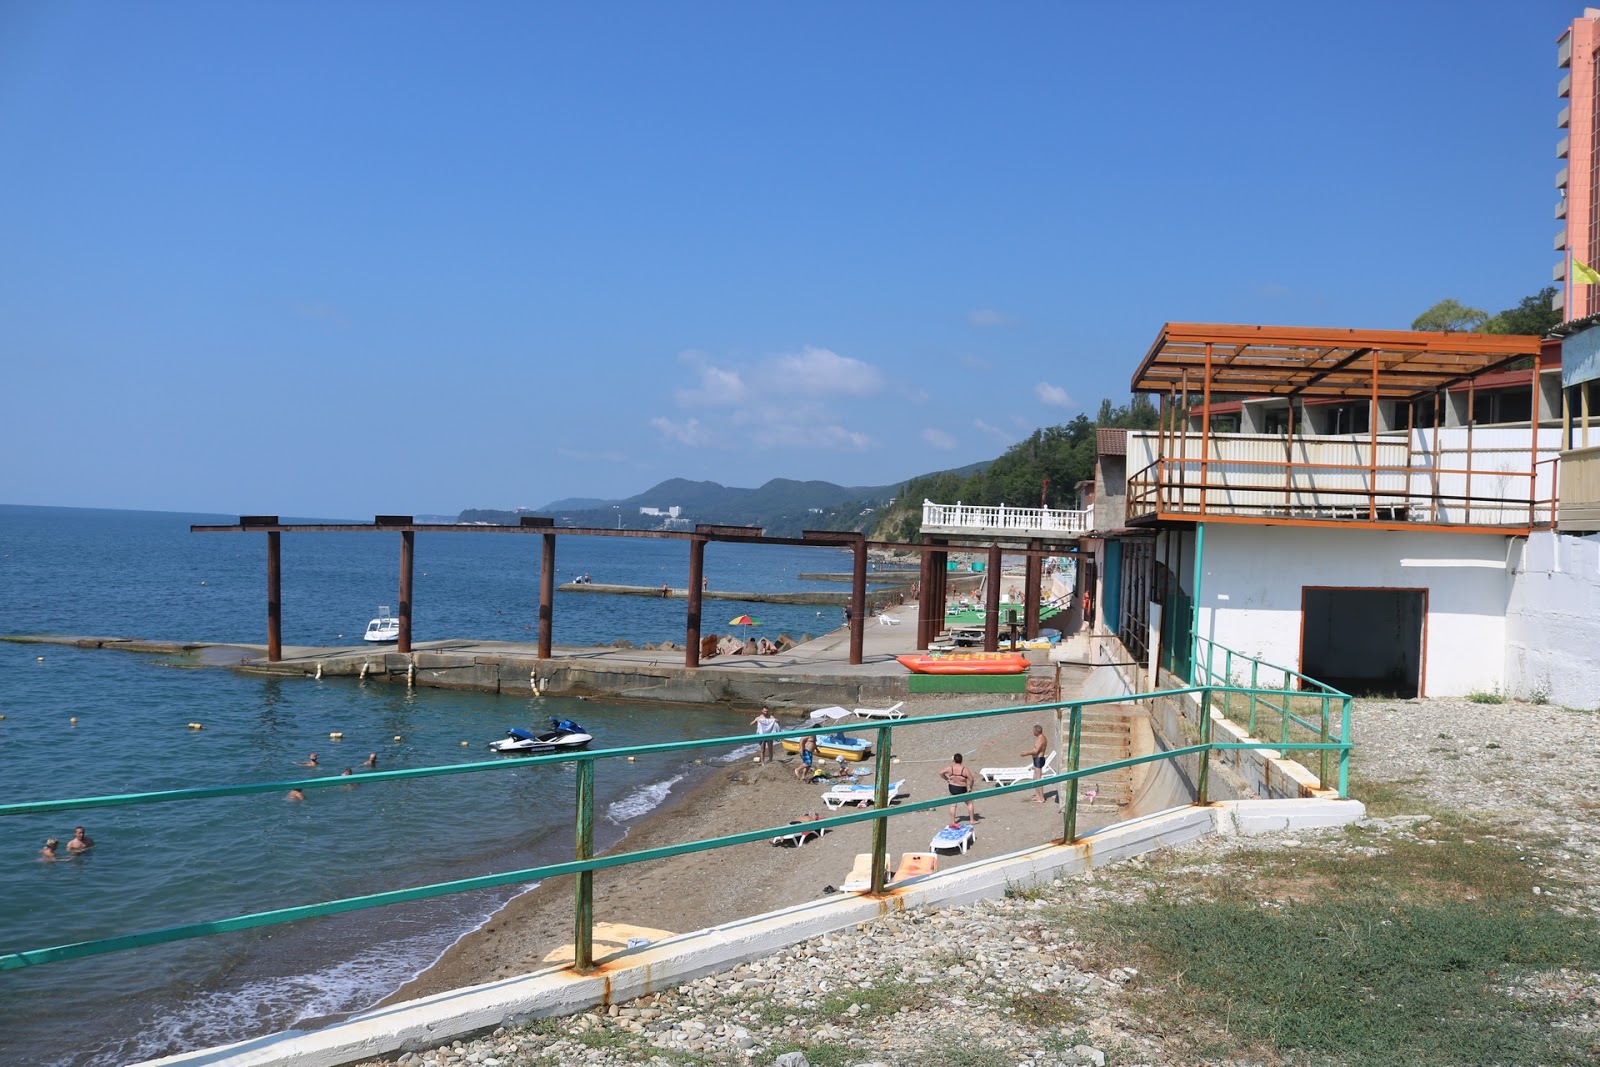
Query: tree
<point x="1450" y="316"/>
<point x="1533" y="315"/>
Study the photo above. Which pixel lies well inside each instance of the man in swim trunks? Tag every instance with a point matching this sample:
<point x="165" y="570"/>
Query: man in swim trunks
<point x="81" y="842"/>
<point x="765" y="724"/>
<point x="959" y="779"/>
<point x="1037" y="754"/>
<point x="808" y="752"/>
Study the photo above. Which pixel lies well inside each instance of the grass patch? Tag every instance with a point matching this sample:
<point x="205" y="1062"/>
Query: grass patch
<point x="1397" y="958"/>
<point x="1047" y="1010"/>
<point x="1382" y="797"/>
<point x="1490" y="696"/>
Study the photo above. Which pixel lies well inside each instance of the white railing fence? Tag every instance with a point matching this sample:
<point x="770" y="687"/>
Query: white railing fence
<point x="974" y="517"/>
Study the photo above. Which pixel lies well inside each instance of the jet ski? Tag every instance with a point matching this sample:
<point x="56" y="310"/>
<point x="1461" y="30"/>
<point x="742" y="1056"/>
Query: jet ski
<point x="564" y="735"/>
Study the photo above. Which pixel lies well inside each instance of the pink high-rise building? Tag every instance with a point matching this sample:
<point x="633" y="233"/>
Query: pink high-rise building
<point x="1578" y="180"/>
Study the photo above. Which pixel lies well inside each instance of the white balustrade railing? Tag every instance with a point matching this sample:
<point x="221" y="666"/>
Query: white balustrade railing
<point x="973" y="517"/>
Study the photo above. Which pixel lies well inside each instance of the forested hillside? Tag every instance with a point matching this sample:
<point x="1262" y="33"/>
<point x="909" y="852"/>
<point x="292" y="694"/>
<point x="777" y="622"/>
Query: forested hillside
<point x="1046" y="467"/>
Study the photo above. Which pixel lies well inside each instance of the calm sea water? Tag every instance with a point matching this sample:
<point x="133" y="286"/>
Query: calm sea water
<point x="143" y="574"/>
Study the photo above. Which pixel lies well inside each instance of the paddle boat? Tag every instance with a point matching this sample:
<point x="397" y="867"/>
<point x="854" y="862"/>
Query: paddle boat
<point x="966" y="663"/>
<point x="564" y="735"/>
<point x="835" y="746"/>
<point x="384" y="628"/>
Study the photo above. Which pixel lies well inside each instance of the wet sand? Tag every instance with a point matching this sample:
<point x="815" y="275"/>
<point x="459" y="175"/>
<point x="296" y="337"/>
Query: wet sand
<point x="702" y="889"/>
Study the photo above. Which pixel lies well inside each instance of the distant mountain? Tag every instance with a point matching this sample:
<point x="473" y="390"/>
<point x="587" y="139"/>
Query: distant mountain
<point x="783" y="507"/>
<point x="576" y="503"/>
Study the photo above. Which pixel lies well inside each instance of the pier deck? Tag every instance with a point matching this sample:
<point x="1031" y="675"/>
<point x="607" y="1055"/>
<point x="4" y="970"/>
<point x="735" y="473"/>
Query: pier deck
<point x="814" y="674"/>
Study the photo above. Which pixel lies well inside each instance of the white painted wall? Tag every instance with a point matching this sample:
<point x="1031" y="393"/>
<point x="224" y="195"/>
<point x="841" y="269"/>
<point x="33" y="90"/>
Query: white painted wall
<point x="1250" y="592"/>
<point x="1553" y="621"/>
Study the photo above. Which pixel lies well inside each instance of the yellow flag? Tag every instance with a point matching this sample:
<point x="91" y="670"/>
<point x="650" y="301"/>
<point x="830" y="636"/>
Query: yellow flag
<point x="1584" y="275"/>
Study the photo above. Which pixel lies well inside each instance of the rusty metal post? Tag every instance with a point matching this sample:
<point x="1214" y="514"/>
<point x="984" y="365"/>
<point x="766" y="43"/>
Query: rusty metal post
<point x="691" y="632"/>
<point x="274" y="597"/>
<point x="1372" y="446"/>
<point x="1030" y="594"/>
<point x="408" y="555"/>
<point x="991" y="602"/>
<point x="927" y="622"/>
<point x="858" y="599"/>
<point x="547" y="593"/>
<point x="1533" y="444"/>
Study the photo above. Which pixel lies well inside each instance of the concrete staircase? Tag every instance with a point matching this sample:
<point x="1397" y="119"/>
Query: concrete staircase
<point x="1107" y="738"/>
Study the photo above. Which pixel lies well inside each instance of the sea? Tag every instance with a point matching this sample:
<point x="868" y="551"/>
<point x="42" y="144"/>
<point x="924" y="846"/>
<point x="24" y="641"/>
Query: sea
<point x="83" y="722"/>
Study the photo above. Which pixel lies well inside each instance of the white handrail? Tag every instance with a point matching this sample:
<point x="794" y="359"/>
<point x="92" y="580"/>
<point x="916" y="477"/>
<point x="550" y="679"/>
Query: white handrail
<point x="976" y="517"/>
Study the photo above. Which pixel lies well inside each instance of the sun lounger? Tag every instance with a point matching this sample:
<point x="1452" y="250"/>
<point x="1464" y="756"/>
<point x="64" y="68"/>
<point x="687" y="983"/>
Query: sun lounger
<point x="915" y="865"/>
<point x="1009" y="775"/>
<point x="860" y="873"/>
<point x="805" y="832"/>
<point x="860" y="794"/>
<point x="891" y="712"/>
<point x="827" y="714"/>
<point x="958" y="835"/>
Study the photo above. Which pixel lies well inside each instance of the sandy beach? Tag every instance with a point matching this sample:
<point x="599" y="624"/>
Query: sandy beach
<point x="704" y="889"/>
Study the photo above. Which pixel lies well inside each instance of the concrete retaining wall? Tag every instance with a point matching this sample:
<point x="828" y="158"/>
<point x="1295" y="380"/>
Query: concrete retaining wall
<point x="633" y="973"/>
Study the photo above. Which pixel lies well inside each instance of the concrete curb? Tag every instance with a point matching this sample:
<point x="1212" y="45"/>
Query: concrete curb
<point x="632" y="973"/>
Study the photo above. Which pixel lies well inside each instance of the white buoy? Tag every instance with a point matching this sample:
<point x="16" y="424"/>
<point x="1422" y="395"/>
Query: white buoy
<point x="73" y="720"/>
<point x="397" y="737"/>
<point x="319" y="672"/>
<point x="464" y="744"/>
<point x="196" y="726"/>
<point x="336" y="736"/>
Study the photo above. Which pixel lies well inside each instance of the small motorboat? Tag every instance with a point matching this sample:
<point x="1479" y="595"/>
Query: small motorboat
<point x="836" y="746"/>
<point x="383" y="629"/>
<point x="564" y="735"/>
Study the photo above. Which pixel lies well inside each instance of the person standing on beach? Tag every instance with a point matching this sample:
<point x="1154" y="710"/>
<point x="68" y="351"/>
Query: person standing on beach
<point x="808" y="753"/>
<point x="765" y="724"/>
<point x="959" y="779"/>
<point x="1036" y="753"/>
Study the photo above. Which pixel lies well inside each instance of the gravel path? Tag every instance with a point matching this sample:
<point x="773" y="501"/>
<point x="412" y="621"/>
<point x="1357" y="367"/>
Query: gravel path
<point x="991" y="983"/>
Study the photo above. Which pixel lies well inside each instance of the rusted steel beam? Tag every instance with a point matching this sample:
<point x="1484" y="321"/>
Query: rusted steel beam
<point x="1030" y="594"/>
<point x="991" y="603"/>
<point x="858" y="599"/>
<point x="408" y="556"/>
<point x="691" y="632"/>
<point x="274" y="597"/>
<point x="547" y="594"/>
<point x="925" y="611"/>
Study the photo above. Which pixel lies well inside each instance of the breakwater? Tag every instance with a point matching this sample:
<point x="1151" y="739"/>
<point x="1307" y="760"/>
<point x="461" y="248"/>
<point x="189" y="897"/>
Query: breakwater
<point x="816" y="596"/>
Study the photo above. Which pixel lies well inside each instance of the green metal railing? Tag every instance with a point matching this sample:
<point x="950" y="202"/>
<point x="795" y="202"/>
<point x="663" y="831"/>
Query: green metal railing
<point x="585" y="862"/>
<point x="1290" y="695"/>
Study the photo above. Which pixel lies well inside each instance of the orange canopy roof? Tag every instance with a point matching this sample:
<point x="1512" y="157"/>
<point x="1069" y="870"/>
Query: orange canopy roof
<point x="1320" y="362"/>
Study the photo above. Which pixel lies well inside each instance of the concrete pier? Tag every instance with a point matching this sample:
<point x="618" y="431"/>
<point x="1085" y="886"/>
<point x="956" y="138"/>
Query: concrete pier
<point x="814" y="674"/>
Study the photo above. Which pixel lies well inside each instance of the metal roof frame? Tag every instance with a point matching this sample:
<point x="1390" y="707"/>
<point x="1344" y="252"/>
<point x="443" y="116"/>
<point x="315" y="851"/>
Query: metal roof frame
<point x="1294" y="361"/>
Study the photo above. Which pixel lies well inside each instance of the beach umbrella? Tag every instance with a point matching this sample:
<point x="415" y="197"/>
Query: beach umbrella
<point x="744" y="620"/>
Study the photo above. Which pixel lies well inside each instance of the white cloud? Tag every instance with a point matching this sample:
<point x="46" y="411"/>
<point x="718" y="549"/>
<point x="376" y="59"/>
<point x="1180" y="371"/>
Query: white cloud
<point x="689" y="432"/>
<point x="989" y="317"/>
<point x="819" y="371"/>
<point x="718" y="387"/>
<point x="994" y="431"/>
<point x="787" y="400"/>
<point x="1053" y="395"/>
<point x="937" y="438"/>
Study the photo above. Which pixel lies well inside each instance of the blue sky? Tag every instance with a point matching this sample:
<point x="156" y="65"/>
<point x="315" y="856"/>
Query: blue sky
<point x="359" y="258"/>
